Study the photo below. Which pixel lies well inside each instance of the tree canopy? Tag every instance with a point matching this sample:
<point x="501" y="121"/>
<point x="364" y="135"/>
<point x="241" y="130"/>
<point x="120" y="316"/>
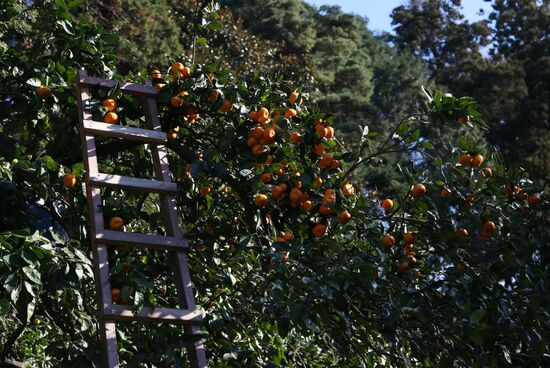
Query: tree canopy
<point x="342" y="209"/>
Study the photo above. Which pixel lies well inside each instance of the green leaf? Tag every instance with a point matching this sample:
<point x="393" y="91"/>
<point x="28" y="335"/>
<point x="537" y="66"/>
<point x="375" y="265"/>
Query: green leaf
<point x="50" y="163"/>
<point x="427" y="145"/>
<point x="477" y="316"/>
<point x="214" y="26"/>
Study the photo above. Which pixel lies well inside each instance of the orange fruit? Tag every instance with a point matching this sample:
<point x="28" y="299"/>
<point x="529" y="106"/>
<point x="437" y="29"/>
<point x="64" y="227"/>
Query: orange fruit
<point x="269" y="133"/>
<point x="409" y="238"/>
<point x="295" y="195"/>
<point x="266" y="177"/>
<point x="290" y="113"/>
<point x="205" y="190"/>
<point x="319" y="150"/>
<point x="465" y="159"/>
<point x="344" y="217"/>
<point x="387" y="204"/>
<point x="326" y="161"/>
<point x="176" y="101"/>
<point x="463" y="119"/>
<point x="329" y="198"/>
<point x="293" y="97"/>
<point x="324" y="210"/>
<point x="177" y="67"/>
<point x="486" y="172"/>
<point x="69" y="180"/>
<point x="489" y="226"/>
<point x="318" y="121"/>
<point x="110" y="118"/>
<point x="388" y="241"/>
<point x="470" y="198"/>
<point x="43" y="91"/>
<point x="511" y="190"/>
<point x="278" y="192"/>
<point x="462" y="232"/>
<point x="171" y="134"/>
<point x="348" y="189"/>
<point x="403" y="266"/>
<point x="155" y="74"/>
<point x="445" y="193"/>
<point x="258" y="132"/>
<point x="213" y="95"/>
<point x="159" y="86"/>
<point x="418" y="190"/>
<point x="186" y="72"/>
<point x="477" y="161"/>
<point x="533" y="198"/>
<point x="321" y="131"/>
<point x="329" y="132"/>
<point x="306" y="206"/>
<point x="109" y="103"/>
<point x="226" y="106"/>
<point x="263" y="114"/>
<point x="288" y="235"/>
<point x="115" y="295"/>
<point x="183" y="94"/>
<point x="408" y="247"/>
<point x="335" y="165"/>
<point x="116" y="223"/>
<point x="318" y="182"/>
<point x="295" y="137"/>
<point x="523" y="196"/>
<point x="485" y="235"/>
<point x="251" y="142"/>
<point x="319" y="230"/>
<point x="461" y="267"/>
<point x="261" y="200"/>
<point x="257" y="150"/>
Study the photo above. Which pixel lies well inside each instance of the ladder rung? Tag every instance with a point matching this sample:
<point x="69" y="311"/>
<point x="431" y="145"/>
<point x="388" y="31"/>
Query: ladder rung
<point x="130" y="88"/>
<point x="111" y="237"/>
<point x="146" y="314"/>
<point x="126" y="182"/>
<point x="124" y="132"/>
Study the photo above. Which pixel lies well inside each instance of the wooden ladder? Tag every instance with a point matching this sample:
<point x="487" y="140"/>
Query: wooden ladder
<point x="190" y="317"/>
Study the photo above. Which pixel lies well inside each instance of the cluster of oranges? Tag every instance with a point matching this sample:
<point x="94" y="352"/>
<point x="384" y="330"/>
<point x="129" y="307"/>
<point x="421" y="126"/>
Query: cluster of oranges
<point x="111" y="116"/>
<point x="388" y="241"/>
<point x="467" y="160"/>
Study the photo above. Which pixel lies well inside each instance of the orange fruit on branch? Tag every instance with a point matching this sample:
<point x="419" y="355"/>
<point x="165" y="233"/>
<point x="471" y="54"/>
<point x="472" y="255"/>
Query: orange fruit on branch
<point x="43" y="91"/>
<point x="109" y="103"/>
<point x="465" y="159"/>
<point x="409" y="238"/>
<point x="533" y="198"/>
<point x="226" y="106"/>
<point x="110" y="118"/>
<point x="69" y="180"/>
<point x="116" y="223"/>
<point x="489" y="226"/>
<point x="176" y="101"/>
<point x="293" y="97"/>
<point x="261" y="200"/>
<point x="290" y="113"/>
<point x="387" y="204"/>
<point x="418" y="190"/>
<point x="319" y="230"/>
<point x="477" y="161"/>
<point x="388" y="241"/>
<point x="344" y="217"/>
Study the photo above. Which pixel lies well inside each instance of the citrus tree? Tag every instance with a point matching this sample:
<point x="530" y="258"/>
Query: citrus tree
<point x="295" y="261"/>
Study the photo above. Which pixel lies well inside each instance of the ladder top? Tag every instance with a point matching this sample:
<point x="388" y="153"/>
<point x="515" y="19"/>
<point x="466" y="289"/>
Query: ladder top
<point x="130" y="88"/>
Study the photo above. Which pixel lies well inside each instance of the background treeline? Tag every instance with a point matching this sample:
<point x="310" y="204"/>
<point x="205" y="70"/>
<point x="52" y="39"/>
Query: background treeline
<point x="369" y="79"/>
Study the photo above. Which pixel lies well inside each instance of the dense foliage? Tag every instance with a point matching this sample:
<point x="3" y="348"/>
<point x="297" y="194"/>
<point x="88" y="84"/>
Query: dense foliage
<point x="297" y="260"/>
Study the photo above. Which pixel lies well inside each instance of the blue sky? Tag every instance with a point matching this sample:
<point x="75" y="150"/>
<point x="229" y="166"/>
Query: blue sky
<point x="378" y="11"/>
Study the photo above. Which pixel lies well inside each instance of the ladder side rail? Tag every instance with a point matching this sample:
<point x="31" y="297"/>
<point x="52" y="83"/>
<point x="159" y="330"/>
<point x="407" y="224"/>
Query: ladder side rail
<point x="107" y="330"/>
<point x="178" y="260"/>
